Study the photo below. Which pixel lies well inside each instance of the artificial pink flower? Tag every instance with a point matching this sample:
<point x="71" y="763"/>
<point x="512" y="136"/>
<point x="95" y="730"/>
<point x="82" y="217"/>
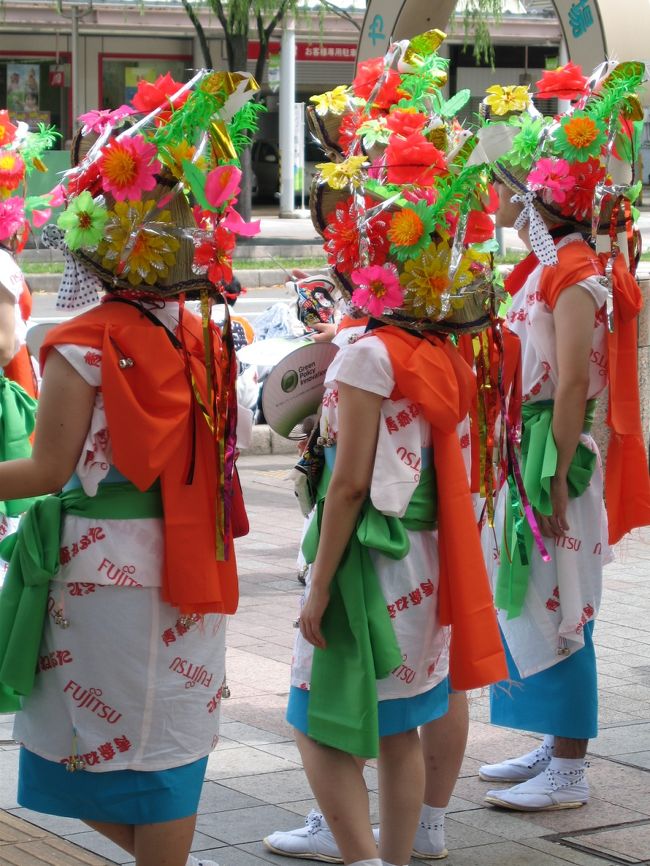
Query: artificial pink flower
<point x="551" y="177"/>
<point x="97" y="121"/>
<point x="40" y="216"/>
<point x="222" y="184"/>
<point x="57" y="196"/>
<point x="234" y="223"/>
<point x="128" y="167"/>
<point x="12" y="216"/>
<point x="378" y="289"/>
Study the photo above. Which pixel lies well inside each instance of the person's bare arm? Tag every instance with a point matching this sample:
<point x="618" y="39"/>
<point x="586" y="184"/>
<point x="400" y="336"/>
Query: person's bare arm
<point x="359" y="413"/>
<point x="7" y="326"/>
<point x="574" y="326"/>
<point x="62" y="421"/>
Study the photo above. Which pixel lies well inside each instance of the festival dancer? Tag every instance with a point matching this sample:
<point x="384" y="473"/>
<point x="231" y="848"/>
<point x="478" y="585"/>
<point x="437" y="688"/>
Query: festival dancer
<point x="559" y="176"/>
<point x="371" y="659"/>
<point x="136" y="423"/>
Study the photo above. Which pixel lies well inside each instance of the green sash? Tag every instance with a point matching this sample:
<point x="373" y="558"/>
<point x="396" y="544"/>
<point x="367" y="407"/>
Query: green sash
<point x="361" y="642"/>
<point x="33" y="556"/>
<point x="538" y="465"/>
<point x="17" y="419"/>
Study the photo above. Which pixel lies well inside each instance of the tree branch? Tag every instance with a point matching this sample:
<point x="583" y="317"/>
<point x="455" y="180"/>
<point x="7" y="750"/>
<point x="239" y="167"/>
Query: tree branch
<point x="341" y="13"/>
<point x="273" y="23"/>
<point x="200" y="32"/>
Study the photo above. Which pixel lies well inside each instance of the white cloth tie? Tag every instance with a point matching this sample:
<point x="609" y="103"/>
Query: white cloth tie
<point x="540" y="239"/>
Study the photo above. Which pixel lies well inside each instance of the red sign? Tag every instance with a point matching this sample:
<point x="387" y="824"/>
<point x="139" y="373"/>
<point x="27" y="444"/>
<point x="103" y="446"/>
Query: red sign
<point x="57" y="78"/>
<point x="311" y="51"/>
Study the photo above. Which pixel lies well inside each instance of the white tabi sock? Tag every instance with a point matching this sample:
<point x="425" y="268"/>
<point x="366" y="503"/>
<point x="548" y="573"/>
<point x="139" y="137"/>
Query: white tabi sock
<point x="548" y="742"/>
<point x="374" y="862"/>
<point x="565" y="764"/>
<point x="432" y="814"/>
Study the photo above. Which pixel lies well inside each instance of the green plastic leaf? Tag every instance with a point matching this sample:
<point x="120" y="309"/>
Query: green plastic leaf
<point x="452" y="106"/>
<point x="634" y="191"/>
<point x="491" y="246"/>
<point x="196" y="180"/>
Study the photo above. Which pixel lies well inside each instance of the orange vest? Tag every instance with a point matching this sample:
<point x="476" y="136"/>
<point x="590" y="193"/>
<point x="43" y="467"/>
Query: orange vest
<point x="158" y="431"/>
<point x="430" y="372"/>
<point x="20" y="369"/>
<point x="627" y="485"/>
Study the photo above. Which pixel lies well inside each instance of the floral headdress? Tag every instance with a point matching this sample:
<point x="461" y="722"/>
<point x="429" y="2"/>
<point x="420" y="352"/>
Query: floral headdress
<point x="128" y="224"/>
<point x="578" y="168"/>
<point x="402" y="210"/>
<point x="21" y="153"/>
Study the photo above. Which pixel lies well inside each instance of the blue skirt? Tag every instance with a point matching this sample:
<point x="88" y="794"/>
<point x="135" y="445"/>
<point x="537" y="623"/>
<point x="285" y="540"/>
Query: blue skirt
<point x="116" y="797"/>
<point x="395" y="716"/>
<point x="562" y="700"/>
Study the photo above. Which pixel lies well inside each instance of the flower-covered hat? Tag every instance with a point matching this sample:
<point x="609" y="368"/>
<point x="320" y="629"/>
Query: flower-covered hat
<point x="21" y="153"/>
<point x="574" y="168"/>
<point x="402" y="211"/>
<point x="128" y="225"/>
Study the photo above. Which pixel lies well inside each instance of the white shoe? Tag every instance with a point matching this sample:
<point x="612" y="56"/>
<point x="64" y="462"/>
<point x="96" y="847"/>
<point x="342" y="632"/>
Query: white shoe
<point x="194" y="861"/>
<point x="552" y="789"/>
<point x="429" y="841"/>
<point x="314" y="841"/>
<point x="518" y="769"/>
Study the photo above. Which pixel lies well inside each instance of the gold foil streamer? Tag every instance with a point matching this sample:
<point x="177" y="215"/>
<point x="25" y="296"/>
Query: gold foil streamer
<point x="424" y="43"/>
<point x="222" y="146"/>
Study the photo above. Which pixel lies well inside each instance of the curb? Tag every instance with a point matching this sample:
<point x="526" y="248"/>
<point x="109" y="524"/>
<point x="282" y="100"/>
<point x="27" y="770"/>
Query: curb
<point x="265" y="441"/>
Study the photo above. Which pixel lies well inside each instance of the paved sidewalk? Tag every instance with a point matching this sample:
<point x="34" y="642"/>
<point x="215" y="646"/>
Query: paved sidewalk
<point x="255" y="783"/>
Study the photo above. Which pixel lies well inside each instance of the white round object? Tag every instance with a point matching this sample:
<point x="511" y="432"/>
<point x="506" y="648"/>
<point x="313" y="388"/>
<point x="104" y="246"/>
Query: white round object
<point x="294" y="388"/>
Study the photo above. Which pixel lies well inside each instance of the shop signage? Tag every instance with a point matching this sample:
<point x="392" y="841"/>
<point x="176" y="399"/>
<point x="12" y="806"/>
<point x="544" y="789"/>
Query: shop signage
<point x="57" y="78"/>
<point x="311" y="51"/>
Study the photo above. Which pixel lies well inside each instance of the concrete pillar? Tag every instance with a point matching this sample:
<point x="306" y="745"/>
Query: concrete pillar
<point x="287" y="116"/>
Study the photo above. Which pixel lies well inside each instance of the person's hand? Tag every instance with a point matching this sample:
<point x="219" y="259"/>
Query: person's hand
<point x="325" y="332"/>
<point x="560" y="502"/>
<point x="297" y="274"/>
<point x="555" y="525"/>
<point x="311" y="616"/>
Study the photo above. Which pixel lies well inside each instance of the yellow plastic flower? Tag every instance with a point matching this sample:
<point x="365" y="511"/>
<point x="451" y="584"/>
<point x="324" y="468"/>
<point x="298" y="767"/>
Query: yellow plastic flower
<point x="505" y="99"/>
<point x="138" y="246"/>
<point x="426" y="279"/>
<point x="339" y="175"/>
<point x="335" y="101"/>
<point x="173" y="155"/>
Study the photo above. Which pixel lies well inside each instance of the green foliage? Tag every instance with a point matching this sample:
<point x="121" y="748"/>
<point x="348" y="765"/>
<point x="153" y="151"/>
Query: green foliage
<point x="475" y="17"/>
<point x="244" y="125"/>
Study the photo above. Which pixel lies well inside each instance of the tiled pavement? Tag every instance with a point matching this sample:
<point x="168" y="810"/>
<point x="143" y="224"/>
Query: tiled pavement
<point x="255" y="783"/>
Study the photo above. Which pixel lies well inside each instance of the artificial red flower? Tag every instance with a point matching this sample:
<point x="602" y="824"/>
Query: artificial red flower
<point x="580" y="196"/>
<point x="565" y="82"/>
<point x="413" y="160"/>
<point x="89" y="179"/>
<point x="406" y="122"/>
<point x="480" y="227"/>
<point x="342" y="237"/>
<point x="368" y="74"/>
<point x="490" y="199"/>
<point x="7" y="129"/>
<point x="12" y="170"/>
<point x="351" y="122"/>
<point x="150" y="96"/>
<point x="214" y="256"/>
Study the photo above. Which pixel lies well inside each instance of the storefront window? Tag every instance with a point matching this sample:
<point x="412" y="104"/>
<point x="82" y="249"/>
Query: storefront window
<point x="36" y="90"/>
<point x="119" y="75"/>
